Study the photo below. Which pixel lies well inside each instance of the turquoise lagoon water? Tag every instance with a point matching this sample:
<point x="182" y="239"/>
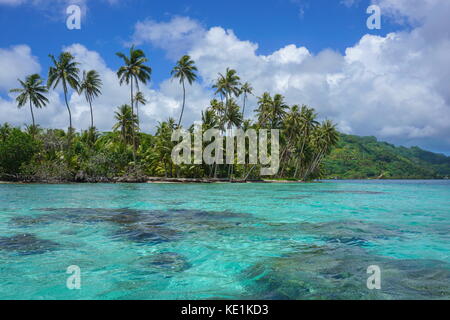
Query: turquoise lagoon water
<point x="226" y="241"/>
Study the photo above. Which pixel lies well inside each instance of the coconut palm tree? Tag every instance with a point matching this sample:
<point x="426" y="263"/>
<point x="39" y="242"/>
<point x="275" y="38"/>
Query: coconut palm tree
<point x="132" y="72"/>
<point x="91" y="85"/>
<point x="277" y="111"/>
<point x="139" y="99"/>
<point x="263" y="110"/>
<point x="246" y="89"/>
<point x="126" y="123"/>
<point x="184" y="70"/>
<point x="325" y="137"/>
<point x="230" y="83"/>
<point x="64" y="70"/>
<point x="233" y="117"/>
<point x="32" y="91"/>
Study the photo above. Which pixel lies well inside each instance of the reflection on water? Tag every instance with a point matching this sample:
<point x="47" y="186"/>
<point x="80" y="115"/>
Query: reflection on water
<point x="249" y="241"/>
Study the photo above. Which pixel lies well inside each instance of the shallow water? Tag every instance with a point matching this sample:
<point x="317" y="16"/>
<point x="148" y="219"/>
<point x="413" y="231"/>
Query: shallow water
<point x="226" y="241"/>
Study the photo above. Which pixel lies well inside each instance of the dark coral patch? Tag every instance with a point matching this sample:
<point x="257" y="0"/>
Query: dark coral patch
<point x="26" y="244"/>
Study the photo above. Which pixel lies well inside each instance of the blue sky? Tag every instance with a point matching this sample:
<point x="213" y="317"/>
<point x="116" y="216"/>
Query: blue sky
<point x="388" y="83"/>
<point x="106" y="28"/>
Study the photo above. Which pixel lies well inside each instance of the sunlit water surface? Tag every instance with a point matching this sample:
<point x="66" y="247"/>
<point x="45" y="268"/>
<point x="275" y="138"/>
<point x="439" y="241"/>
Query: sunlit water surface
<point x="226" y="241"/>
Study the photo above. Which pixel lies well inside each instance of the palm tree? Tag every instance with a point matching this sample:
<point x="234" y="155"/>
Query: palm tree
<point x="277" y="111"/>
<point x="126" y="123"/>
<point x="132" y="72"/>
<point x="209" y="119"/>
<point x="246" y="89"/>
<point x="32" y="91"/>
<point x="227" y="85"/>
<point x="91" y="85"/>
<point x="184" y="70"/>
<point x="230" y="83"/>
<point x="233" y="117"/>
<point x="325" y="137"/>
<point x="308" y="123"/>
<point x="64" y="70"/>
<point x="263" y="110"/>
<point x="139" y="99"/>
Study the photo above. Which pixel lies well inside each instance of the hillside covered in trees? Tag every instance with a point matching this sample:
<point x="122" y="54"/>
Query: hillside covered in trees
<point x="357" y="157"/>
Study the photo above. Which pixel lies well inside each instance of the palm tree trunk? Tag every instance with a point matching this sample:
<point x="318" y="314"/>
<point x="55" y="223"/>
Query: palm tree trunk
<point x="67" y="105"/>
<point x="243" y="108"/>
<point x="132" y="124"/>
<point x="32" y="114"/>
<point x="184" y="101"/>
<point x="92" y="114"/>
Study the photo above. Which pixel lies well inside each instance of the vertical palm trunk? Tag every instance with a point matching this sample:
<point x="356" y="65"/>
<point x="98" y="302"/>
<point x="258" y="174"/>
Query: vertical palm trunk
<point x="243" y="108"/>
<point x="32" y="114"/>
<point x="184" y="101"/>
<point x="92" y="114"/>
<point x="132" y="124"/>
<point x="137" y="114"/>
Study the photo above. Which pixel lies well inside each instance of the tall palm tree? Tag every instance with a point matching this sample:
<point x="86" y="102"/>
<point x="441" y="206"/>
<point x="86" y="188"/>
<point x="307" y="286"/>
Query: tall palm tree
<point x="132" y="72"/>
<point x="246" y="89"/>
<point x="139" y="98"/>
<point x="90" y="85"/>
<point x="184" y="70"/>
<point x="32" y="91"/>
<point x="227" y="85"/>
<point x="64" y="70"/>
<point x="126" y="123"/>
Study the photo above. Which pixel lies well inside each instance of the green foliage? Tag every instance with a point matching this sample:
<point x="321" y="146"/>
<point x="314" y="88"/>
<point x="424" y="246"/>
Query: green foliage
<point x="16" y="149"/>
<point x="364" y="157"/>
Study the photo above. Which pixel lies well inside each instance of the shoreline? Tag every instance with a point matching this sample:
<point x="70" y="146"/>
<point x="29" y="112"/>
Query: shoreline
<point x="162" y="180"/>
<point x="156" y="180"/>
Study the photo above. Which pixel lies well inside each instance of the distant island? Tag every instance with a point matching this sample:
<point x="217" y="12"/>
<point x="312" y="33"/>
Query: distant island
<point x="357" y="157"/>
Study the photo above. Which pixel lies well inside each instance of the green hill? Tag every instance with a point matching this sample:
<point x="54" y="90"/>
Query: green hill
<point x="365" y="157"/>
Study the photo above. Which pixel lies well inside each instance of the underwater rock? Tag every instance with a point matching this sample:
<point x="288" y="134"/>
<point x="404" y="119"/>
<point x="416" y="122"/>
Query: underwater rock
<point x="352" y="232"/>
<point x="350" y="191"/>
<point x="168" y="261"/>
<point x="142" y="226"/>
<point x="340" y="272"/>
<point x="27" y="221"/>
<point x="26" y="244"/>
<point x="147" y="233"/>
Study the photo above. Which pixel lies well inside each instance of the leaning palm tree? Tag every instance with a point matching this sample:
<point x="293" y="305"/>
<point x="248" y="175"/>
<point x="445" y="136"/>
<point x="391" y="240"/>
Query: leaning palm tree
<point x="32" y="91"/>
<point x="64" y="70"/>
<point x="184" y="70"/>
<point x="90" y="85"/>
<point x="139" y="98"/>
<point x="132" y="72"/>
<point x="246" y="89"/>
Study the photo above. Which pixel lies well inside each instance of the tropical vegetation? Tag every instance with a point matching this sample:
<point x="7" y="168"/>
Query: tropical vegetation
<point x="309" y="148"/>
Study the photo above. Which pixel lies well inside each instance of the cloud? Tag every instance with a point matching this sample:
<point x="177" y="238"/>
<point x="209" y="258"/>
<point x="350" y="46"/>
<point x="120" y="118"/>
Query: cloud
<point x="16" y="62"/>
<point x="175" y="36"/>
<point x="394" y="87"/>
